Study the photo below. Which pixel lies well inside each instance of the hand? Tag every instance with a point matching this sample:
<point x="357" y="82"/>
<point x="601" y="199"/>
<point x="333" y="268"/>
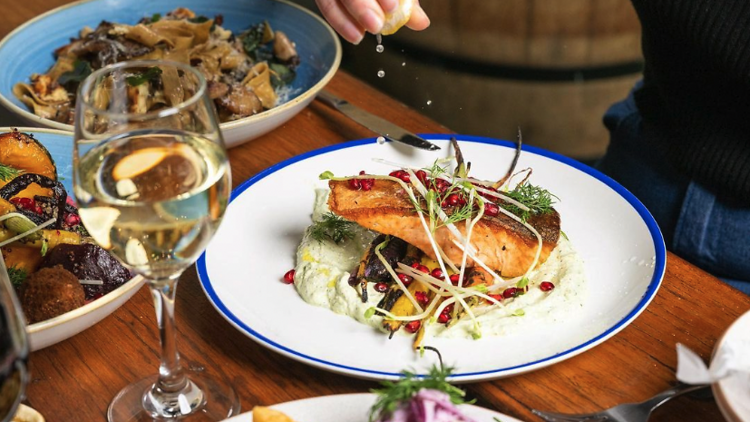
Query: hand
<point x="351" y="18"/>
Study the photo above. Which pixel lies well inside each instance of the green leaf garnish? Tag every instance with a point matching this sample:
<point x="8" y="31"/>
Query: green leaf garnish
<point x="393" y="394"/>
<point x="326" y="175"/>
<point x="538" y="200"/>
<point x="523" y="283"/>
<point x="332" y="227"/>
<point x="155" y="17"/>
<point x="151" y="74"/>
<point x="81" y="70"/>
<point x="519" y="312"/>
<point x="370" y="312"/>
<point x="17" y="275"/>
<point x="44" y="248"/>
<point x="281" y="74"/>
<point x="8" y="173"/>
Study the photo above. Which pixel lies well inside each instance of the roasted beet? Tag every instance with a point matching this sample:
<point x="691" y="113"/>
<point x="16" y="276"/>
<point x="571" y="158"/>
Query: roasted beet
<point x="394" y="251"/>
<point x="89" y="262"/>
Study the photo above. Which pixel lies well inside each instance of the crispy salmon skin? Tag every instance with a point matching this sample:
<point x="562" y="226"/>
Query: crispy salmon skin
<point x="502" y="243"/>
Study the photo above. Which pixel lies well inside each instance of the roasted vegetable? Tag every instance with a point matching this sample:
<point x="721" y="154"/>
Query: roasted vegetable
<point x="89" y="262"/>
<point x="50" y="292"/>
<point x="21" y="182"/>
<point x="22" y="258"/>
<point x="404" y="306"/>
<point x="21" y="153"/>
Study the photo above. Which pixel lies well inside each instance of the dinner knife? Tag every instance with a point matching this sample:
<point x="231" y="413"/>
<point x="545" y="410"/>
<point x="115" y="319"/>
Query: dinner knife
<point x="375" y="123"/>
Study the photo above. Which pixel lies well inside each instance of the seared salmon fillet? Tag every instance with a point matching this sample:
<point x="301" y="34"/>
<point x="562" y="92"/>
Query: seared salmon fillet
<point x="502" y="243"/>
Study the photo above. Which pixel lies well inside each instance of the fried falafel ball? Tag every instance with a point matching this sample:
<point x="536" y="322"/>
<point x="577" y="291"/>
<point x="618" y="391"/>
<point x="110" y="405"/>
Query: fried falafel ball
<point x="50" y="292"/>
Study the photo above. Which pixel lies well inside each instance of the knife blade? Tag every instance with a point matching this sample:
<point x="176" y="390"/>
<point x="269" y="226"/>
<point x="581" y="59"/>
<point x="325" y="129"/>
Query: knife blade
<point x="376" y="124"/>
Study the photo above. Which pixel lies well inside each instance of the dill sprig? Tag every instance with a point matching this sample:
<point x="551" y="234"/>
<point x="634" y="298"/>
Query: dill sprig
<point x="332" y="227"/>
<point x="393" y="394"/>
<point x="17" y="276"/>
<point x="8" y="173"/>
<point x="537" y="199"/>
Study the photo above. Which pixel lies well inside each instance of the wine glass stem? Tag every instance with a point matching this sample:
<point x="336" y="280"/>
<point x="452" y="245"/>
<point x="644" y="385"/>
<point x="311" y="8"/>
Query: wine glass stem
<point x="172" y="378"/>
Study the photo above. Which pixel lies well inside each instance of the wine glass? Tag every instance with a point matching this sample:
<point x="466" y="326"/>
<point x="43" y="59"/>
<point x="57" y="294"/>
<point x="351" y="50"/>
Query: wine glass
<point x="14" y="348"/>
<point x="152" y="181"/>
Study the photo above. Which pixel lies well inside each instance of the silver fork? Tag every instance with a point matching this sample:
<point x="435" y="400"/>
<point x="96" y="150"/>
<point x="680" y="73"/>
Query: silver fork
<point x="627" y="412"/>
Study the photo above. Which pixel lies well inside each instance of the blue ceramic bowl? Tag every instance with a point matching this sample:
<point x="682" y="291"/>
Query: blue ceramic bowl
<point x="29" y="48"/>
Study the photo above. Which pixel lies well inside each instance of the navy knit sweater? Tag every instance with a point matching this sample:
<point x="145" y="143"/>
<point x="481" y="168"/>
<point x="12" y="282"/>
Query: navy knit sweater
<point x="695" y="100"/>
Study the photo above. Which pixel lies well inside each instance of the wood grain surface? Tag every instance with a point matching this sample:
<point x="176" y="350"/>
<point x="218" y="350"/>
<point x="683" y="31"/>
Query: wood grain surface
<point x="75" y="379"/>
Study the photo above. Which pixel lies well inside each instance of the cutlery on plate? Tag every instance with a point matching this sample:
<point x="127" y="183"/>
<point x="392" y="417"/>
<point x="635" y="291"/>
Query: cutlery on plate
<point x="375" y="123"/>
<point x="626" y="412"/>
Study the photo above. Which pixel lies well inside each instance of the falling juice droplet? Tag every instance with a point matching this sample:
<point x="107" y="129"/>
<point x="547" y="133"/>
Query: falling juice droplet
<point x="379" y="48"/>
<point x="429" y="102"/>
<point x="381" y="73"/>
<point x="381" y="140"/>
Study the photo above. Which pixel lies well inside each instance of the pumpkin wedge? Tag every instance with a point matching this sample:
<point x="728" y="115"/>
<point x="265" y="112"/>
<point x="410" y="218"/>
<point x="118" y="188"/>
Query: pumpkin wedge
<point x="21" y="153"/>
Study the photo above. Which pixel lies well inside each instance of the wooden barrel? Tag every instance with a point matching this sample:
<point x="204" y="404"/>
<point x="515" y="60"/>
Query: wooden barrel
<point x="485" y="67"/>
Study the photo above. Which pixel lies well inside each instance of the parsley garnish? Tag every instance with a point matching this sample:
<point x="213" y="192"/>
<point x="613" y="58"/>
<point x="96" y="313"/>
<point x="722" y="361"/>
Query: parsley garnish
<point x="81" y="70"/>
<point x="332" y="227"/>
<point x="17" y="276"/>
<point x="8" y="173"/>
<point x="538" y="200"/>
<point x="393" y="394"/>
<point x="151" y="74"/>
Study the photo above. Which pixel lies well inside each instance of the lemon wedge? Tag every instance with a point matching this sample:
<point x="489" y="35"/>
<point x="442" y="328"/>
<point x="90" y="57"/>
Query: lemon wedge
<point x="398" y="18"/>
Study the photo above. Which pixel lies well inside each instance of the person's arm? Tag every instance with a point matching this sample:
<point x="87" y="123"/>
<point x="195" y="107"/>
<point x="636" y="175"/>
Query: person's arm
<point x="352" y="18"/>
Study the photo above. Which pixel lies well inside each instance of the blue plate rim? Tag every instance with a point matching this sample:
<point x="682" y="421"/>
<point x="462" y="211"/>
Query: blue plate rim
<point x="654" y="284"/>
<point x="31" y="117"/>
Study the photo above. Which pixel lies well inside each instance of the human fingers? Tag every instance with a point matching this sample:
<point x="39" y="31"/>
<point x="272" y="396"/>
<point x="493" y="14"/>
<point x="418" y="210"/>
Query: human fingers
<point x="419" y="19"/>
<point x="341" y="21"/>
<point x="367" y="13"/>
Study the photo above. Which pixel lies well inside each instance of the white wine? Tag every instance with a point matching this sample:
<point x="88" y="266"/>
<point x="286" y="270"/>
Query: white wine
<point x="154" y="200"/>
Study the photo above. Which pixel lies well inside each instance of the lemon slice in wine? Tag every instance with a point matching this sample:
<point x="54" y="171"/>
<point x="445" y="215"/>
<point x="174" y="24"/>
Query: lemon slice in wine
<point x="398" y="18"/>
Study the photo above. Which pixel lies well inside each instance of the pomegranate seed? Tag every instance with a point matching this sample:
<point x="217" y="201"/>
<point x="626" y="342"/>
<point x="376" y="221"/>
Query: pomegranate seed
<point x="444" y="318"/>
<point x="546" y="286"/>
<point x="38" y="209"/>
<point x="412" y="326"/>
<point x="421" y="298"/>
<point x="367" y="184"/>
<point x="289" y="277"/>
<point x="452" y="199"/>
<point x="72" y="220"/>
<point x="422" y="176"/>
<point x="415" y="265"/>
<point x="355" y="184"/>
<point x="448" y="309"/>
<point x="400" y="174"/>
<point x="491" y="209"/>
<point x="437" y="273"/>
<point x="406" y="279"/>
<point x="441" y="185"/>
<point x="381" y="287"/>
<point x="422" y="268"/>
<point x="510" y="292"/>
<point x="455" y="279"/>
<point x="498" y="298"/>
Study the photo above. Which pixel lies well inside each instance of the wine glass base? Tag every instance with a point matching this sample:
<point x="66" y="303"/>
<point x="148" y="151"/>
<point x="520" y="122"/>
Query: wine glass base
<point x="204" y="399"/>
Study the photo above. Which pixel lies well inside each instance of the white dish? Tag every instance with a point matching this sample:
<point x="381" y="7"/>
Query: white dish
<point x="733" y="393"/>
<point x="46" y="333"/>
<point x="353" y="408"/>
<point x="241" y="271"/>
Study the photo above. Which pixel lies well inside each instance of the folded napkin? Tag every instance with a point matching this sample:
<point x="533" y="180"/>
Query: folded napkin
<point x="732" y="357"/>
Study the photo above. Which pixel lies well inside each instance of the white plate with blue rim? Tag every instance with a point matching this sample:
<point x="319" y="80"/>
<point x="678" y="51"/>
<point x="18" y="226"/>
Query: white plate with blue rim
<point x="354" y="408"/>
<point x="29" y="49"/>
<point x="54" y="330"/>
<point x="622" y="249"/>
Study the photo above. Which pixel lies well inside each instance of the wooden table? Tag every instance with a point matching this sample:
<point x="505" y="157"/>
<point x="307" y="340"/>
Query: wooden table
<point x="75" y="380"/>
